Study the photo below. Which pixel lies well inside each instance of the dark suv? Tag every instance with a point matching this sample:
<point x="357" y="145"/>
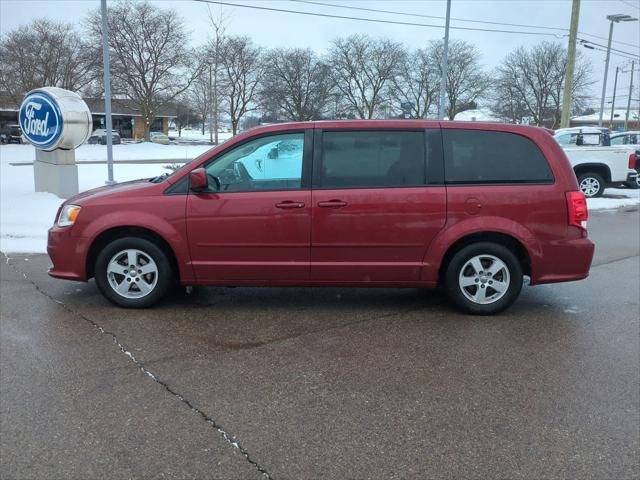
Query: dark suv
<point x="11" y="133"/>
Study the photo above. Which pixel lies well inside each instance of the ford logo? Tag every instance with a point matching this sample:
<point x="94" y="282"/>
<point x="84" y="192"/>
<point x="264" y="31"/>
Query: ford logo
<point x="40" y="119"/>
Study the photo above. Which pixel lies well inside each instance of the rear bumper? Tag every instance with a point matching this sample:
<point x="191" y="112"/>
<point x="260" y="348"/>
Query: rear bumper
<point x="564" y="261"/>
<point x="67" y="253"/>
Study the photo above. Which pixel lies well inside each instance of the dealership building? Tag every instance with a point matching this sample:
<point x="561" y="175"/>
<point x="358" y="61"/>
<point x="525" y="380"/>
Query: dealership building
<point x="126" y="117"/>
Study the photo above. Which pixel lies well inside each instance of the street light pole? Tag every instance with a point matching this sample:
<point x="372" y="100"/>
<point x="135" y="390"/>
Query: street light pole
<point x="445" y="63"/>
<point x="613" y="19"/>
<point x="613" y="100"/>
<point x="571" y="63"/>
<point x="107" y="91"/>
<point x="626" y="117"/>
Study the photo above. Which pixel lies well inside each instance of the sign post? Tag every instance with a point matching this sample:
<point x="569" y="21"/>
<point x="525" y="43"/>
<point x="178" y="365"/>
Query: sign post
<point x="56" y="122"/>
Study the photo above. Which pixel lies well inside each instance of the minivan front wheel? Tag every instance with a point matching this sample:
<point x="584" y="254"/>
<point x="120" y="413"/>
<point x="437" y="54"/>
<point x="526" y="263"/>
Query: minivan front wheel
<point x="133" y="272"/>
<point x="484" y="278"/>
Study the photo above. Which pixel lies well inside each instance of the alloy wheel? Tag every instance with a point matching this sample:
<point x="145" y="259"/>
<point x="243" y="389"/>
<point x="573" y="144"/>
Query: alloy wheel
<point x="132" y="273"/>
<point x="484" y="279"/>
<point x="590" y="186"/>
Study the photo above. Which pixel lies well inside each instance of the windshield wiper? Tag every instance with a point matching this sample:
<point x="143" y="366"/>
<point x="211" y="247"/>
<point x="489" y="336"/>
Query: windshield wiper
<point x="159" y="178"/>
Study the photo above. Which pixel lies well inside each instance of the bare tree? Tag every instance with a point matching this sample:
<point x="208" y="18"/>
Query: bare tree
<point x="200" y="98"/>
<point x="466" y="81"/>
<point x="296" y="83"/>
<point x="214" y="61"/>
<point x="417" y="83"/>
<point x="362" y="68"/>
<point x="533" y="80"/>
<point x="150" y="62"/>
<point x="45" y="53"/>
<point x="241" y="73"/>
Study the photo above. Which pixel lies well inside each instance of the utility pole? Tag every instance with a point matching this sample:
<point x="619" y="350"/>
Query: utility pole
<point x="613" y="100"/>
<point x="612" y="19"/>
<point x="107" y="91"/>
<point x="445" y="63"/>
<point x="626" y="117"/>
<point x="210" y="102"/>
<point x="571" y="63"/>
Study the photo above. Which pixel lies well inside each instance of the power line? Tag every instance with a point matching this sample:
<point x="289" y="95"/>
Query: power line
<point x="407" y="14"/>
<point x="630" y="4"/>
<point x="362" y="19"/>
<point x="614" y="51"/>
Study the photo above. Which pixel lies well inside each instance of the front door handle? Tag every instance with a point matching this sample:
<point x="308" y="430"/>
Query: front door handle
<point x="332" y="204"/>
<point x="289" y="204"/>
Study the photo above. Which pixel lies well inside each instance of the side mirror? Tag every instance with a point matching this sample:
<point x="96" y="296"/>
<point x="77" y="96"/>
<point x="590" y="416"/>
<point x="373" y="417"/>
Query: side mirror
<point x="198" y="180"/>
<point x="273" y="153"/>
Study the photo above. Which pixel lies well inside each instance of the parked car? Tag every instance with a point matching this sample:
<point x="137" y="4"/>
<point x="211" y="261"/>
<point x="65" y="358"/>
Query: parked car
<point x="583" y="136"/>
<point x="629" y="139"/>
<point x="159" y="137"/>
<point x="405" y="203"/>
<point x="598" y="168"/>
<point x="11" y="133"/>
<point x="626" y="138"/>
<point x="100" y="136"/>
<point x="597" y="163"/>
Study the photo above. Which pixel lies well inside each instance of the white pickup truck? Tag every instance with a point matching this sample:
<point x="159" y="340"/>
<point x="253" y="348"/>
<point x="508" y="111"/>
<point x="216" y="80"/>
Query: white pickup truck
<point x="597" y="164"/>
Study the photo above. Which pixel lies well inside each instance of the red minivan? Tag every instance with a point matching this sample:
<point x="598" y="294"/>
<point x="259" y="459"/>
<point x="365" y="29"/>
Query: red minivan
<point x="400" y="203"/>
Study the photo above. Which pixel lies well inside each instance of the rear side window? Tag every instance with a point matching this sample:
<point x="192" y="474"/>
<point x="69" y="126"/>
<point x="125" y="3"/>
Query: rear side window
<point x="360" y="159"/>
<point x="479" y="156"/>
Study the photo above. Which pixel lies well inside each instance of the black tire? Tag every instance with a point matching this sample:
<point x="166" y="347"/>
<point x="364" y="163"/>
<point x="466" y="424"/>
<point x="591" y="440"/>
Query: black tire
<point x="163" y="281"/>
<point x="459" y="261"/>
<point x="591" y="180"/>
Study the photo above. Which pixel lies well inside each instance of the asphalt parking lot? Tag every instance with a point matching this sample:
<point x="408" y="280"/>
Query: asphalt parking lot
<point x="324" y="383"/>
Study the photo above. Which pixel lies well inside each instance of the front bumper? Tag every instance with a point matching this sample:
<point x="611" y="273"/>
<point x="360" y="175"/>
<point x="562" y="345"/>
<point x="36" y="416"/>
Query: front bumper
<point x="67" y="253"/>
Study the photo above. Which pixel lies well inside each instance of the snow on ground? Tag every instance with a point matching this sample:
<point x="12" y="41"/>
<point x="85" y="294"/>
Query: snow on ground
<point x="615" y="198"/>
<point x="197" y="135"/>
<point x="127" y="151"/>
<point x="25" y="216"/>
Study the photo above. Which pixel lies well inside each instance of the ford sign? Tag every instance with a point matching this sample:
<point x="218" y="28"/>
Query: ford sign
<point x="53" y="118"/>
<point x="41" y="120"/>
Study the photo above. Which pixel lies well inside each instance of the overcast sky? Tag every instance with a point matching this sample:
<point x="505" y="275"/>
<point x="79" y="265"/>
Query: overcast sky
<point x="280" y="29"/>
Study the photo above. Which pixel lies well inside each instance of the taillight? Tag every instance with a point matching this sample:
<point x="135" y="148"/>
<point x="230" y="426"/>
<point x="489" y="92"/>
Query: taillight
<point x="632" y="160"/>
<point x="577" y="207"/>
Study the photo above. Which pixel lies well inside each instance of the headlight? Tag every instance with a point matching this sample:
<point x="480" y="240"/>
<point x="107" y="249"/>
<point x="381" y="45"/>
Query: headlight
<point x="68" y="215"/>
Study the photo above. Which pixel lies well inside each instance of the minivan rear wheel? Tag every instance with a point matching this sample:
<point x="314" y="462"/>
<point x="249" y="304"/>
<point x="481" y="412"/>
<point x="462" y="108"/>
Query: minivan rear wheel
<point x="483" y="278"/>
<point x="133" y="272"/>
<point x="591" y="184"/>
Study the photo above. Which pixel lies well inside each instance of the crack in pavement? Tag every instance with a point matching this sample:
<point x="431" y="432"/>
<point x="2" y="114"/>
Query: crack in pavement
<point x="207" y="418"/>
<point x="609" y="262"/>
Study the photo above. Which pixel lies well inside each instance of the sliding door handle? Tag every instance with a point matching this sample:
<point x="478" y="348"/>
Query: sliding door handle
<point x="289" y="204"/>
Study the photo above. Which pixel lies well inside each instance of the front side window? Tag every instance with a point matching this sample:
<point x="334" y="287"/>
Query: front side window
<point x="480" y="156"/>
<point x="619" y="140"/>
<point x="363" y="159"/>
<point x="267" y="163"/>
